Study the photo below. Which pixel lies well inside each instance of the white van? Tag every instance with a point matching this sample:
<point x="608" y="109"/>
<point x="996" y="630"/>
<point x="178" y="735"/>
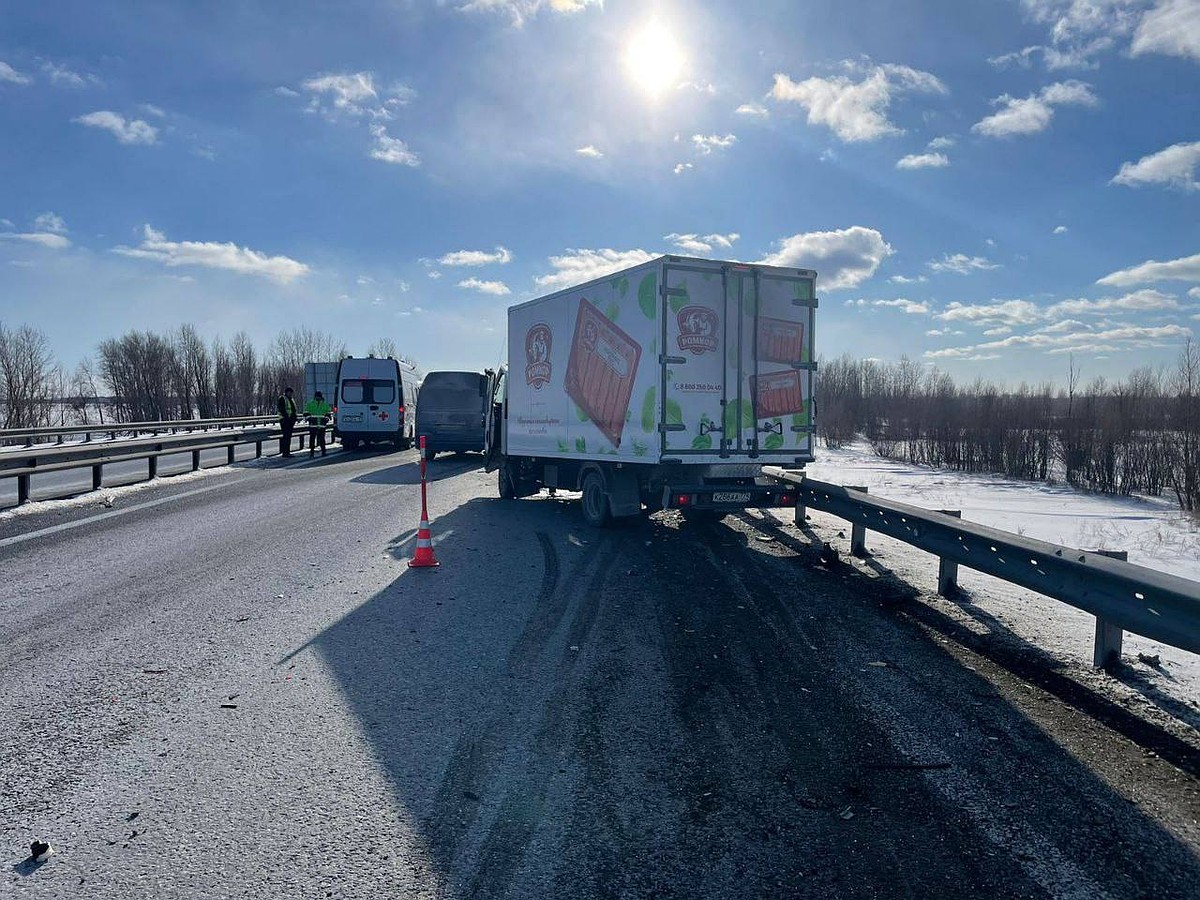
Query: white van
<point x="376" y="401"/>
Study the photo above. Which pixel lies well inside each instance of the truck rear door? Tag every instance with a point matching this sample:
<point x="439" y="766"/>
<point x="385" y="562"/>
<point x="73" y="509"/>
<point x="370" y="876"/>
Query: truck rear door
<point x="737" y="362"/>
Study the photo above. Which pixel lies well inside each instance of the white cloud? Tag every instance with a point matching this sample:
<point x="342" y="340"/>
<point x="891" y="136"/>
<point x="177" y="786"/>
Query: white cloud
<point x="1021" y="58"/>
<point x="912" y="307"/>
<point x="1171" y="28"/>
<point x="700" y="87"/>
<point x="50" y="222"/>
<point x="706" y="144"/>
<point x="702" y="243"/>
<point x="45" y="239"/>
<point x="856" y="110"/>
<point x="682" y="167"/>
<point x="904" y="279"/>
<point x="923" y="161"/>
<point x="1060" y="229"/>
<point x="12" y="76"/>
<point x="590" y="152"/>
<point x="1194" y="293"/>
<point x="578" y="266"/>
<point x="213" y="255"/>
<point x="404" y="286"/>
<point x="961" y="264"/>
<point x="64" y="77"/>
<point x="1034" y="113"/>
<point x="152" y="110"/>
<point x="501" y="256"/>
<point x="1138" y="301"/>
<point x="353" y="94"/>
<point x="496" y="288"/>
<point x="1184" y="269"/>
<point x="842" y="259"/>
<point x="753" y="111"/>
<point x="997" y="331"/>
<point x="286" y="92"/>
<point x="1174" y="167"/>
<point x="434" y="274"/>
<point x="127" y="131"/>
<point x="391" y="150"/>
<point x="519" y="11"/>
<point x="999" y="312"/>
<point x="942" y="143"/>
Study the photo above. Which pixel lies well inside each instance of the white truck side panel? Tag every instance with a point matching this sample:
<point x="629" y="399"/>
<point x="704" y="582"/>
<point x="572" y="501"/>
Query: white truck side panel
<point x="545" y="416"/>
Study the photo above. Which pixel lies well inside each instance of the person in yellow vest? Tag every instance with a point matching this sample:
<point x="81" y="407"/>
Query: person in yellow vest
<point x="317" y="411"/>
<point x="287" y="421"/>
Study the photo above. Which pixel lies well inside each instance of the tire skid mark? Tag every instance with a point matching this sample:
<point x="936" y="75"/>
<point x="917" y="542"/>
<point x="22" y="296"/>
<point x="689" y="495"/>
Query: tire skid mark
<point x="503" y="848"/>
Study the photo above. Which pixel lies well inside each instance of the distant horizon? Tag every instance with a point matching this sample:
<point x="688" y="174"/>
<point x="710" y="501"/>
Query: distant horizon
<point x="990" y="188"/>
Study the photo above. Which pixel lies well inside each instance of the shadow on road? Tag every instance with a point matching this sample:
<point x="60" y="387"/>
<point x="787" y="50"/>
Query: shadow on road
<point x="410" y="472"/>
<point x="667" y="711"/>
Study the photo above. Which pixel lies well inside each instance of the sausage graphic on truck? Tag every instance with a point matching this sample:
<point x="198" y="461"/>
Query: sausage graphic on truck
<point x="665" y="385"/>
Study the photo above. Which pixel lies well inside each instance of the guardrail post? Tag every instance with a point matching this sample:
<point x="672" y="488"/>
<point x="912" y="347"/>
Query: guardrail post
<point x="22" y="489"/>
<point x="258" y="449"/>
<point x="1106" y="653"/>
<point x="229" y="454"/>
<point x="858" y="531"/>
<point x="948" y="568"/>
<point x="152" y="466"/>
<point x="97" y="476"/>
<point x="195" y="460"/>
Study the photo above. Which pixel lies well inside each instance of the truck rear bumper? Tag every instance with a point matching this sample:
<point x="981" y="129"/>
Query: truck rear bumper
<point x="754" y="496"/>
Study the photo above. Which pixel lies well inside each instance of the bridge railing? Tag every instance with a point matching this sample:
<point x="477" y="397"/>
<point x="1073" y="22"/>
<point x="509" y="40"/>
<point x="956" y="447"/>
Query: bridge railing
<point x="58" y="434"/>
<point x="1122" y="596"/>
<point x="188" y="436"/>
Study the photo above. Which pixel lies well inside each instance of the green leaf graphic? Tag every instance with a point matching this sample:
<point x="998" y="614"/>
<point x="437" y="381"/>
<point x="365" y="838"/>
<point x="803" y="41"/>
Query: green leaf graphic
<point x="702" y="442"/>
<point x="738" y="413"/>
<point x="580" y="414"/>
<point x="580" y="445"/>
<point x="801" y="418"/>
<point x="773" y="442"/>
<point x="639" y="448"/>
<point x="562" y="447"/>
<point x="648" y="295"/>
<point x="612" y="311"/>
<point x="674" y="413"/>
<point x="648" y="415"/>
<point x="680" y="301"/>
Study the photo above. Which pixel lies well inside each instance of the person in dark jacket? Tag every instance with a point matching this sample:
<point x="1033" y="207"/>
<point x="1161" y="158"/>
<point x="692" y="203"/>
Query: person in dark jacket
<point x="287" y="422"/>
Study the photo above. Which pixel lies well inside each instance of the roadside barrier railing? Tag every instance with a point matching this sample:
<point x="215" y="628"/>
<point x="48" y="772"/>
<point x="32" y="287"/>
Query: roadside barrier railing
<point x="24" y="463"/>
<point x="1121" y="595"/>
<point x="58" y="434"/>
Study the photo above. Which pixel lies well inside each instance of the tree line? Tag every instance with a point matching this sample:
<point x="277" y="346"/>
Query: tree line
<point x="145" y="376"/>
<point x="1137" y="435"/>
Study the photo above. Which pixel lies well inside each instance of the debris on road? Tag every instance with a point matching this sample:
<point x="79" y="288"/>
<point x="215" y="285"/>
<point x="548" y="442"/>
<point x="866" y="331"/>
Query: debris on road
<point x="1152" y="660"/>
<point x="846" y="814"/>
<point x="879" y="664"/>
<point x="829" y="555"/>
<point x="154" y="671"/>
<point x="228" y="706"/>
<point x="40" y="851"/>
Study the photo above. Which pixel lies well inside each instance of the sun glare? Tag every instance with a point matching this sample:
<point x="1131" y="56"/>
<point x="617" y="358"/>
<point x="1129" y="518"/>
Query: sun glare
<point x="654" y="59"/>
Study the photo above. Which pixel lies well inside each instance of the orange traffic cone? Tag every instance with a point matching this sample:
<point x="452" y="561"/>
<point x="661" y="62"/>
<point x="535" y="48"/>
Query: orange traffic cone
<point x="423" y="557"/>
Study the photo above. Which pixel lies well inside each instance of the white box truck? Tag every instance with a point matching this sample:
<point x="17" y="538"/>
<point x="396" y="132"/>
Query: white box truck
<point x="666" y="385"/>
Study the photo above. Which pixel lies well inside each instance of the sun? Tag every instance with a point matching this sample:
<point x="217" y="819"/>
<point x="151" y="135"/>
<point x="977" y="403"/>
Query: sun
<point x="654" y="59"/>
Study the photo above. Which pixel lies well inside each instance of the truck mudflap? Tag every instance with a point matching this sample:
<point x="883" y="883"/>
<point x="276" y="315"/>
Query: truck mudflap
<point x="751" y="496"/>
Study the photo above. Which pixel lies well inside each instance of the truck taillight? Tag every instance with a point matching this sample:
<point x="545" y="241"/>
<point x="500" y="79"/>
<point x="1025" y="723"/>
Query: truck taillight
<point x="683" y="500"/>
<point x="401" y="410"/>
<point x="785" y="500"/>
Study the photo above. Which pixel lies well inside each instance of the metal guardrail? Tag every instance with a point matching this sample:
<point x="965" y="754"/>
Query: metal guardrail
<point x="24" y="463"/>
<point x="1122" y="596"/>
<point x="56" y="434"/>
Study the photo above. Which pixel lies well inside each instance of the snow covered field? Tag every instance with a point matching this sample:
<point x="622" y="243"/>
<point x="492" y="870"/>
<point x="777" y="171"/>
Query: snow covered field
<point x="1153" y="531"/>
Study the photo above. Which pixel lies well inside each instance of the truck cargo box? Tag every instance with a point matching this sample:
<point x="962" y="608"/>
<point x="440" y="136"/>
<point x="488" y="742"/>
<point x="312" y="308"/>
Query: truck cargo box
<point x="675" y="360"/>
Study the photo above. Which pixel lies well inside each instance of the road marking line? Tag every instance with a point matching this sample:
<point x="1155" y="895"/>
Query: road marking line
<point x="79" y="523"/>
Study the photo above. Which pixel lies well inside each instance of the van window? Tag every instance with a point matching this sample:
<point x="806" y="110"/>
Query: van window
<point x="368" y="390"/>
<point x="464" y="391"/>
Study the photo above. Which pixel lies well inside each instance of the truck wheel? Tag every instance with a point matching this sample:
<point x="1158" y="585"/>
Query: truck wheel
<point x="595" y="500"/>
<point x="508" y="490"/>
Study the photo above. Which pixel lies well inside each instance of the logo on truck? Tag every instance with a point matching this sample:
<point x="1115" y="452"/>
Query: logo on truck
<point x="697" y="329"/>
<point x="538" y="341"/>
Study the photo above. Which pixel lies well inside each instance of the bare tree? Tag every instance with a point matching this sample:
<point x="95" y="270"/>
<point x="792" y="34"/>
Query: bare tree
<point x="383" y="348"/>
<point x="28" y="375"/>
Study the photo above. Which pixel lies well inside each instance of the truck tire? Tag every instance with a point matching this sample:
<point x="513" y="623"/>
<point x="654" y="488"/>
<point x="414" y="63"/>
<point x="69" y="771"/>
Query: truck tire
<point x="508" y="490"/>
<point x="595" y="500"/>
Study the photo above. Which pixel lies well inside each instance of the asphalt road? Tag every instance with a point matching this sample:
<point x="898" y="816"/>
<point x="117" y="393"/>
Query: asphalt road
<point x="234" y="687"/>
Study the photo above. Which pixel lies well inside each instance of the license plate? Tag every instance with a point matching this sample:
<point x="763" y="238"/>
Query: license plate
<point x="731" y="497"/>
<point x="355" y="418"/>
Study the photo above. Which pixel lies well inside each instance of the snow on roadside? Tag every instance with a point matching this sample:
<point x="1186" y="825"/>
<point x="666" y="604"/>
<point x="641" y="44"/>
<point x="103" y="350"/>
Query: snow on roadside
<point x="1154" y="531"/>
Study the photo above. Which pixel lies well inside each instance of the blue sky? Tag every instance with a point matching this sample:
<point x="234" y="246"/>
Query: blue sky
<point x="989" y="187"/>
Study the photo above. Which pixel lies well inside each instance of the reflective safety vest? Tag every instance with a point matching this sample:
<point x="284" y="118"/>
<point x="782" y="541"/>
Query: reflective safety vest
<point x="287" y="408"/>
<point x="318" y="409"/>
